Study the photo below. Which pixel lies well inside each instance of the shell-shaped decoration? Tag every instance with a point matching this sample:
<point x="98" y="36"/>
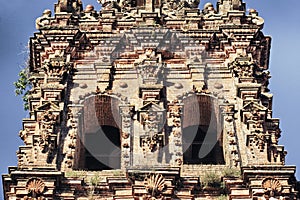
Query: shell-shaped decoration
<point x="154" y="184"/>
<point x="273" y="185"/>
<point x="35" y="186"/>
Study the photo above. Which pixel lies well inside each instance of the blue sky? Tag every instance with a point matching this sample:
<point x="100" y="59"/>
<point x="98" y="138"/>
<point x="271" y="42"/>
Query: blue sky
<point x="282" y="22"/>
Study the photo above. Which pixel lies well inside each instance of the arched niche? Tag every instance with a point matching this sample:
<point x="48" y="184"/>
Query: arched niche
<point x="201" y="134"/>
<point x="99" y="134"/>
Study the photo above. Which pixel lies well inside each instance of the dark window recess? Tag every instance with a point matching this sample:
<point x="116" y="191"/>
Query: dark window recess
<point x="201" y="145"/>
<point x="102" y="149"/>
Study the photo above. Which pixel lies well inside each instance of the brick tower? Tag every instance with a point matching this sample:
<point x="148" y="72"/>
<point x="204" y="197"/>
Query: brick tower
<point x="150" y="99"/>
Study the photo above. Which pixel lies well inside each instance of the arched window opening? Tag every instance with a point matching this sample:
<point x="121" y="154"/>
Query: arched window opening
<point x="201" y="139"/>
<point x="100" y="141"/>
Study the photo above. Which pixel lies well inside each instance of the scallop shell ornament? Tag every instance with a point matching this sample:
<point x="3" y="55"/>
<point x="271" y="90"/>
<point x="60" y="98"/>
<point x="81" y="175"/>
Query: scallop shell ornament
<point x="35" y="186"/>
<point x="271" y="186"/>
<point x="154" y="184"/>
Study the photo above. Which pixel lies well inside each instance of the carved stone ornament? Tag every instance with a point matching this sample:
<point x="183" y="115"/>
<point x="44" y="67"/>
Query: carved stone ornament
<point x="271" y="186"/>
<point x="243" y="67"/>
<point x="70" y="6"/>
<point x="151" y="143"/>
<point x="175" y="110"/>
<point x="24" y="134"/>
<point x="35" y="187"/>
<point x="260" y="140"/>
<point x="57" y="64"/>
<point x="125" y="135"/>
<point x="44" y="20"/>
<point x="154" y="184"/>
<point x="47" y="122"/>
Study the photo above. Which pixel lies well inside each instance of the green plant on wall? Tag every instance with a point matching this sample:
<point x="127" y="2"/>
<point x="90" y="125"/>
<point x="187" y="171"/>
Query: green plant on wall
<point x="211" y="179"/>
<point x="95" y="179"/>
<point x="23" y="86"/>
<point x="222" y="197"/>
<point x="76" y="174"/>
<point x="231" y="172"/>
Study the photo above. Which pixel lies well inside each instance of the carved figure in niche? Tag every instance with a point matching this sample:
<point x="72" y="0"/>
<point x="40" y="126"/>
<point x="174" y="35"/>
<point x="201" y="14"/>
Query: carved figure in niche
<point x="125" y="6"/>
<point x="235" y="160"/>
<point x="245" y="71"/>
<point x="178" y="143"/>
<point x="44" y="20"/>
<point x="69" y="163"/>
<point x="71" y="123"/>
<point x="274" y="139"/>
<point x="125" y="145"/>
